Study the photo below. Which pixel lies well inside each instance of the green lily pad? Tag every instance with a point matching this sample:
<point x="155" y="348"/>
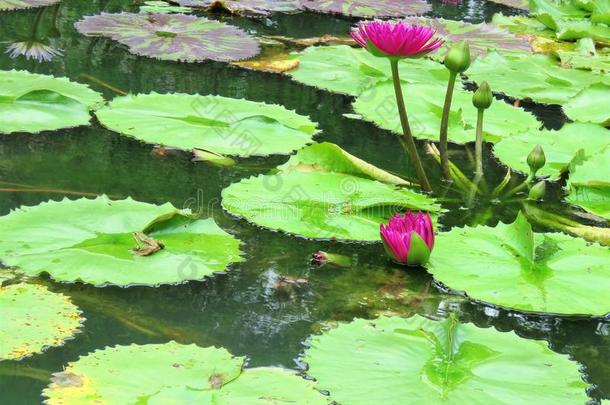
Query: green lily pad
<point x="34" y="319"/>
<point x="34" y="103"/>
<point x="323" y="192"/>
<point x="391" y="360"/>
<point x="512" y="267"/>
<point x="190" y="375"/>
<point x="537" y="77"/>
<point x="176" y="37"/>
<point x="590" y="105"/>
<point x="520" y="4"/>
<point x="523" y="25"/>
<point x="23" y="4"/>
<point x="589" y="184"/>
<point x="163" y="7"/>
<point x="246" y="7"/>
<point x="219" y="124"/>
<point x="572" y="143"/>
<point x="480" y="37"/>
<point x="368" y="8"/>
<point x="347" y="70"/>
<point x="425" y="106"/>
<point x="94" y="241"/>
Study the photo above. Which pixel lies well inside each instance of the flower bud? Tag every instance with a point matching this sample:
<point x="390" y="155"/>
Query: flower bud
<point x="537" y="191"/>
<point x="483" y="97"/>
<point x="458" y="58"/>
<point x="536" y="159"/>
<point x="321" y="258"/>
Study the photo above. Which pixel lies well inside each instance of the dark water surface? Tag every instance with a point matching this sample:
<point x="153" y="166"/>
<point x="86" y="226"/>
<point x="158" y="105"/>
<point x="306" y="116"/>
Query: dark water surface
<point x="240" y="310"/>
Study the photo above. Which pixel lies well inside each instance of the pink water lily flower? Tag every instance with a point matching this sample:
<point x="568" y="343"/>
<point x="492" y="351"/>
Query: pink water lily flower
<point x="396" y="39"/>
<point x="409" y="238"/>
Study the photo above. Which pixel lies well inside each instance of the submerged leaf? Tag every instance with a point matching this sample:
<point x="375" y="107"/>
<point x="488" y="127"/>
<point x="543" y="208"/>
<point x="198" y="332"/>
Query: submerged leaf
<point x="93" y="241"/>
<point x="33" y="103"/>
<point x="33" y="319"/>
<point x="512" y="267"/>
<point x="391" y="360"/>
<point x="175" y="37"/>
<point x="324" y="193"/>
<point x="214" y="123"/>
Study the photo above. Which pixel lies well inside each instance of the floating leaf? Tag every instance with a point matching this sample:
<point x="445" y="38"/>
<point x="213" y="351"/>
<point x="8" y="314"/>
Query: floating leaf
<point x="369" y="8"/>
<point x="520" y="4"/>
<point x="96" y="242"/>
<point x="512" y="267"/>
<point x="347" y="70"/>
<point x="246" y="7"/>
<point x="34" y="103"/>
<point x="537" y="77"/>
<point x="570" y="143"/>
<point x="323" y="192"/>
<point x="219" y="124"/>
<point x="589" y="184"/>
<point x="162" y="7"/>
<point x="523" y="25"/>
<point x="175" y="37"/>
<point x="480" y="37"/>
<point x="190" y="374"/>
<point x="590" y="105"/>
<point x="425" y="105"/>
<point x="23" y="4"/>
<point x="391" y="360"/>
<point x="33" y="319"/>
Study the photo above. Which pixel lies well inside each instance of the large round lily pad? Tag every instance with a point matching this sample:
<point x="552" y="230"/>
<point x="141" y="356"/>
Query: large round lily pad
<point x="246" y="7"/>
<point x="590" y="105"/>
<point x="34" y="103"/>
<point x="425" y="106"/>
<point x="391" y="360"/>
<point x="23" y="4"/>
<point x="572" y="143"/>
<point x="323" y="192"/>
<point x="589" y="184"/>
<point x="536" y="77"/>
<point x="347" y="70"/>
<point x="480" y="37"/>
<point x="114" y="242"/>
<point x="369" y="8"/>
<point x="33" y="319"/>
<point x="176" y="37"/>
<point x="510" y="266"/>
<point x="172" y="373"/>
<point x="219" y="124"/>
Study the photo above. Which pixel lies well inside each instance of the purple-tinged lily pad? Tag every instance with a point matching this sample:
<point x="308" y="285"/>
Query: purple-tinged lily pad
<point x="480" y="37"/>
<point x="246" y="7"/>
<point x="22" y="4"/>
<point x="175" y="37"/>
<point x="368" y="8"/>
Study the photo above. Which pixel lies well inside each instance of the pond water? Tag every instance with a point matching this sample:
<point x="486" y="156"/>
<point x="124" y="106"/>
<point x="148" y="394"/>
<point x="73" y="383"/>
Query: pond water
<point x="240" y="310"/>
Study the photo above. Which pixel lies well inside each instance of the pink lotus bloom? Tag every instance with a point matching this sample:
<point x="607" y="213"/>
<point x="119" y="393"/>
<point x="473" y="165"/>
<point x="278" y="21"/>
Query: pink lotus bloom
<point x="396" y="39"/>
<point x="409" y="238"/>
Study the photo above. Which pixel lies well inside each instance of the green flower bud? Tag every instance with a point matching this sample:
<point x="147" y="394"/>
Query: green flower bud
<point x="537" y="191"/>
<point x="536" y="159"/>
<point x="483" y="97"/>
<point x="458" y="58"/>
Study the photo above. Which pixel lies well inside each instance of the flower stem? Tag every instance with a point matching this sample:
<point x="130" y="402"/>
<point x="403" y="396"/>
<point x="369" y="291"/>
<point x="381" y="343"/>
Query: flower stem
<point x="478" y="147"/>
<point x="406" y="129"/>
<point x="442" y="147"/>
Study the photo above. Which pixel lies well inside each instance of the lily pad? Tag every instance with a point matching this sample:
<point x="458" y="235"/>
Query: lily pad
<point x="589" y="184"/>
<point x="219" y="124"/>
<point x="480" y="37"/>
<point x="163" y="7"/>
<point x="176" y="37"/>
<point x="391" y="360"/>
<point x="23" y="4"/>
<point x="536" y="77"/>
<point x="512" y="267"/>
<point x="425" y="106"/>
<point x="347" y="70"/>
<point x="520" y="4"/>
<point x="590" y="105"/>
<point x="190" y="374"/>
<point x="96" y="242"/>
<point x="34" y="103"/>
<point x="572" y="143"/>
<point x="369" y="8"/>
<point x="324" y="193"/>
<point x="246" y="7"/>
<point x="34" y="319"/>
